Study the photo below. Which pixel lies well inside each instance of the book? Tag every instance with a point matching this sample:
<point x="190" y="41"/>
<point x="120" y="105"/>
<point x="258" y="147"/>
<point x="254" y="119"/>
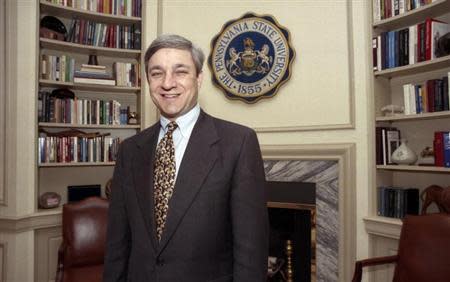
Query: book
<point x="87" y="66"/>
<point x="438" y="147"/>
<point x="393" y="141"/>
<point x="434" y="29"/>
<point x="111" y="82"/>
<point x="412" y="42"/>
<point x="374" y="53"/>
<point x="445" y="94"/>
<point x="446" y="145"/>
<point x="421" y="42"/>
<point x="379" y="145"/>
<point x="406" y="99"/>
<point x="88" y="74"/>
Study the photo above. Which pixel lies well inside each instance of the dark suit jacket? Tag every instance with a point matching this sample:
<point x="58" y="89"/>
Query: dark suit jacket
<point x="217" y="225"/>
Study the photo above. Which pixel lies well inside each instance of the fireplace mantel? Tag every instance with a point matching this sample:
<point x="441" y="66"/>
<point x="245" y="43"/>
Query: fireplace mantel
<point x="340" y="160"/>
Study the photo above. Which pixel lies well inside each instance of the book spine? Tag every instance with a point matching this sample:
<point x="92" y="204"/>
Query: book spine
<point x="446" y="145"/>
<point x="438" y="146"/>
<point x="428" y="23"/>
<point x="445" y="94"/>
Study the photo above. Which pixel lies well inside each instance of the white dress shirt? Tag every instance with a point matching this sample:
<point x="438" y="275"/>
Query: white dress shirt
<point x="181" y="134"/>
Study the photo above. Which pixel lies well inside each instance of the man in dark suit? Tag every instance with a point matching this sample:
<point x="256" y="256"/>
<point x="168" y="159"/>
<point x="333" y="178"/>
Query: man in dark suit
<point x="188" y="194"/>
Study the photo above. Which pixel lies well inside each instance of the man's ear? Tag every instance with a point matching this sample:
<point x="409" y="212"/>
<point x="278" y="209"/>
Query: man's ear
<point x="199" y="79"/>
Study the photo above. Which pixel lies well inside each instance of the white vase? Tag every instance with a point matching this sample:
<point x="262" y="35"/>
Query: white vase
<point x="403" y="154"/>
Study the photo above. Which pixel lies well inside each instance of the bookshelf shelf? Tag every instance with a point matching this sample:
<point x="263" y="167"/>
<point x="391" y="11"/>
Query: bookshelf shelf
<point x="414" y="168"/>
<point x="90" y="126"/>
<point x="423" y="116"/>
<point x="64" y="46"/>
<point x="434" y="9"/>
<point x="63" y="11"/>
<point x="93" y="87"/>
<point x="80" y="164"/>
<point x="443" y="62"/>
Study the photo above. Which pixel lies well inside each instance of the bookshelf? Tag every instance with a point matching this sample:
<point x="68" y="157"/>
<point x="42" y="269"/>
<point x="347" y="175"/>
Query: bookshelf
<point x="114" y="36"/>
<point x="418" y="129"/>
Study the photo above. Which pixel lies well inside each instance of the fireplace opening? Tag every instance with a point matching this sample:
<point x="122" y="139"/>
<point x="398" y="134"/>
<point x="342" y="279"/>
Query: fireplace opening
<point x="291" y="207"/>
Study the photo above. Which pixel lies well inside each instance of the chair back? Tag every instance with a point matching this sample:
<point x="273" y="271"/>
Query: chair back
<point x="82" y="251"/>
<point x="424" y="249"/>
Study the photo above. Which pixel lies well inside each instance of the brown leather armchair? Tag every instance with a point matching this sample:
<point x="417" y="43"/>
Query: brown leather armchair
<point x="80" y="256"/>
<point x="423" y="252"/>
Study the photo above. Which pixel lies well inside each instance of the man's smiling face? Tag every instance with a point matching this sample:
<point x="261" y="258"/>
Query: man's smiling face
<point x="173" y="81"/>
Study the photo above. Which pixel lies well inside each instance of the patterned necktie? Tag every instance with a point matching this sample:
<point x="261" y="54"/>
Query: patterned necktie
<point x="164" y="177"/>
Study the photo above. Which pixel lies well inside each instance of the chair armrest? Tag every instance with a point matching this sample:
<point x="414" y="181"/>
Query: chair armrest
<point x="369" y="262"/>
<point x="60" y="264"/>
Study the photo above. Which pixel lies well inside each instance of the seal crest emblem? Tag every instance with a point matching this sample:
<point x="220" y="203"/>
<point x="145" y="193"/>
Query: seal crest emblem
<point x="251" y="57"/>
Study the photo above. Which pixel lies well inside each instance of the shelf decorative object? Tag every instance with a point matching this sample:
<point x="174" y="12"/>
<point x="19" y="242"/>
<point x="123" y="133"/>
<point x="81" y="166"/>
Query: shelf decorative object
<point x="403" y="154"/>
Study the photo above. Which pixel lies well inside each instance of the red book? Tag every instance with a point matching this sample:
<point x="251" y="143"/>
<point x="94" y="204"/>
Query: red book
<point x="438" y="146"/>
<point x="388" y="8"/>
<point x="82" y="27"/>
<point x="430" y="95"/>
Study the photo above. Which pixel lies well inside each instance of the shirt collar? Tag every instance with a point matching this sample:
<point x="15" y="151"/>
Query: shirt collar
<point x="185" y="122"/>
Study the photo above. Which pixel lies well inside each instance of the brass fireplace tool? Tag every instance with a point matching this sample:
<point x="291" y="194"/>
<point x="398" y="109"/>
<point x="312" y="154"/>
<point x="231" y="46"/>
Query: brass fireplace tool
<point x="289" y="270"/>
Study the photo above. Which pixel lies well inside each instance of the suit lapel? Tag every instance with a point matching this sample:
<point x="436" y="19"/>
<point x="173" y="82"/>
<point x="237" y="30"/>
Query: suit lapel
<point x="198" y="159"/>
<point x="143" y="176"/>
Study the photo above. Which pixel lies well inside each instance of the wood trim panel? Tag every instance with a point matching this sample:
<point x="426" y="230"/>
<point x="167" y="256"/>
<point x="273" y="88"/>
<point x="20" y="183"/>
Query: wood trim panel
<point x="2" y="102"/>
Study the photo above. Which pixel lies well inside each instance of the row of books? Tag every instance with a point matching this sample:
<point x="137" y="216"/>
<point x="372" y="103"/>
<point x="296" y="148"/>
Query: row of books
<point x="58" y="68"/>
<point x="441" y="147"/>
<point x="80" y="111"/>
<point x="428" y="97"/>
<point x="408" y="46"/>
<point x="383" y="9"/>
<point x="127" y="74"/>
<point x="397" y="202"/>
<point x="387" y="140"/>
<point x="76" y="149"/>
<point x="62" y="68"/>
<point x="104" y="35"/>
<point x="114" y="7"/>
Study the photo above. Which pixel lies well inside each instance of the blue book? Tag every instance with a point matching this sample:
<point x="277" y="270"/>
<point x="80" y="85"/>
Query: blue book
<point x="446" y="140"/>
<point x="391" y="49"/>
<point x="381" y="201"/>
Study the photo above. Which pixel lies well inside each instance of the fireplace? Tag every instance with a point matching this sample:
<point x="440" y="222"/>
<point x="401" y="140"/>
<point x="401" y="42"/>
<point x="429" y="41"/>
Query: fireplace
<point x="331" y="167"/>
<point x="324" y="176"/>
<point x="292" y="230"/>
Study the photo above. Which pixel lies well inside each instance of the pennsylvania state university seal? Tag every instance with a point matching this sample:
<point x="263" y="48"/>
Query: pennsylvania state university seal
<point x="251" y="57"/>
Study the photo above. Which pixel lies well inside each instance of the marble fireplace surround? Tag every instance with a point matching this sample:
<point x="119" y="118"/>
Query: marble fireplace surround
<point x="331" y="167"/>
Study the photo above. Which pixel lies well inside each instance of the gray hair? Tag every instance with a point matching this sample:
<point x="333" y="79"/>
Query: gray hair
<point x="175" y="42"/>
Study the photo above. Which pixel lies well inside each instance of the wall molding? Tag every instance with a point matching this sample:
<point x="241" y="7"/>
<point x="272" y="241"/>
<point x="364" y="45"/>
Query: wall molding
<point x="31" y="222"/>
<point x="3" y="102"/>
<point x="344" y="154"/>
<point x="385" y="227"/>
<point x="4" y="250"/>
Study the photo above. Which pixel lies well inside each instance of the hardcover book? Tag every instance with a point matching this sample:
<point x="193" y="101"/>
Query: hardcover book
<point x="434" y="29"/>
